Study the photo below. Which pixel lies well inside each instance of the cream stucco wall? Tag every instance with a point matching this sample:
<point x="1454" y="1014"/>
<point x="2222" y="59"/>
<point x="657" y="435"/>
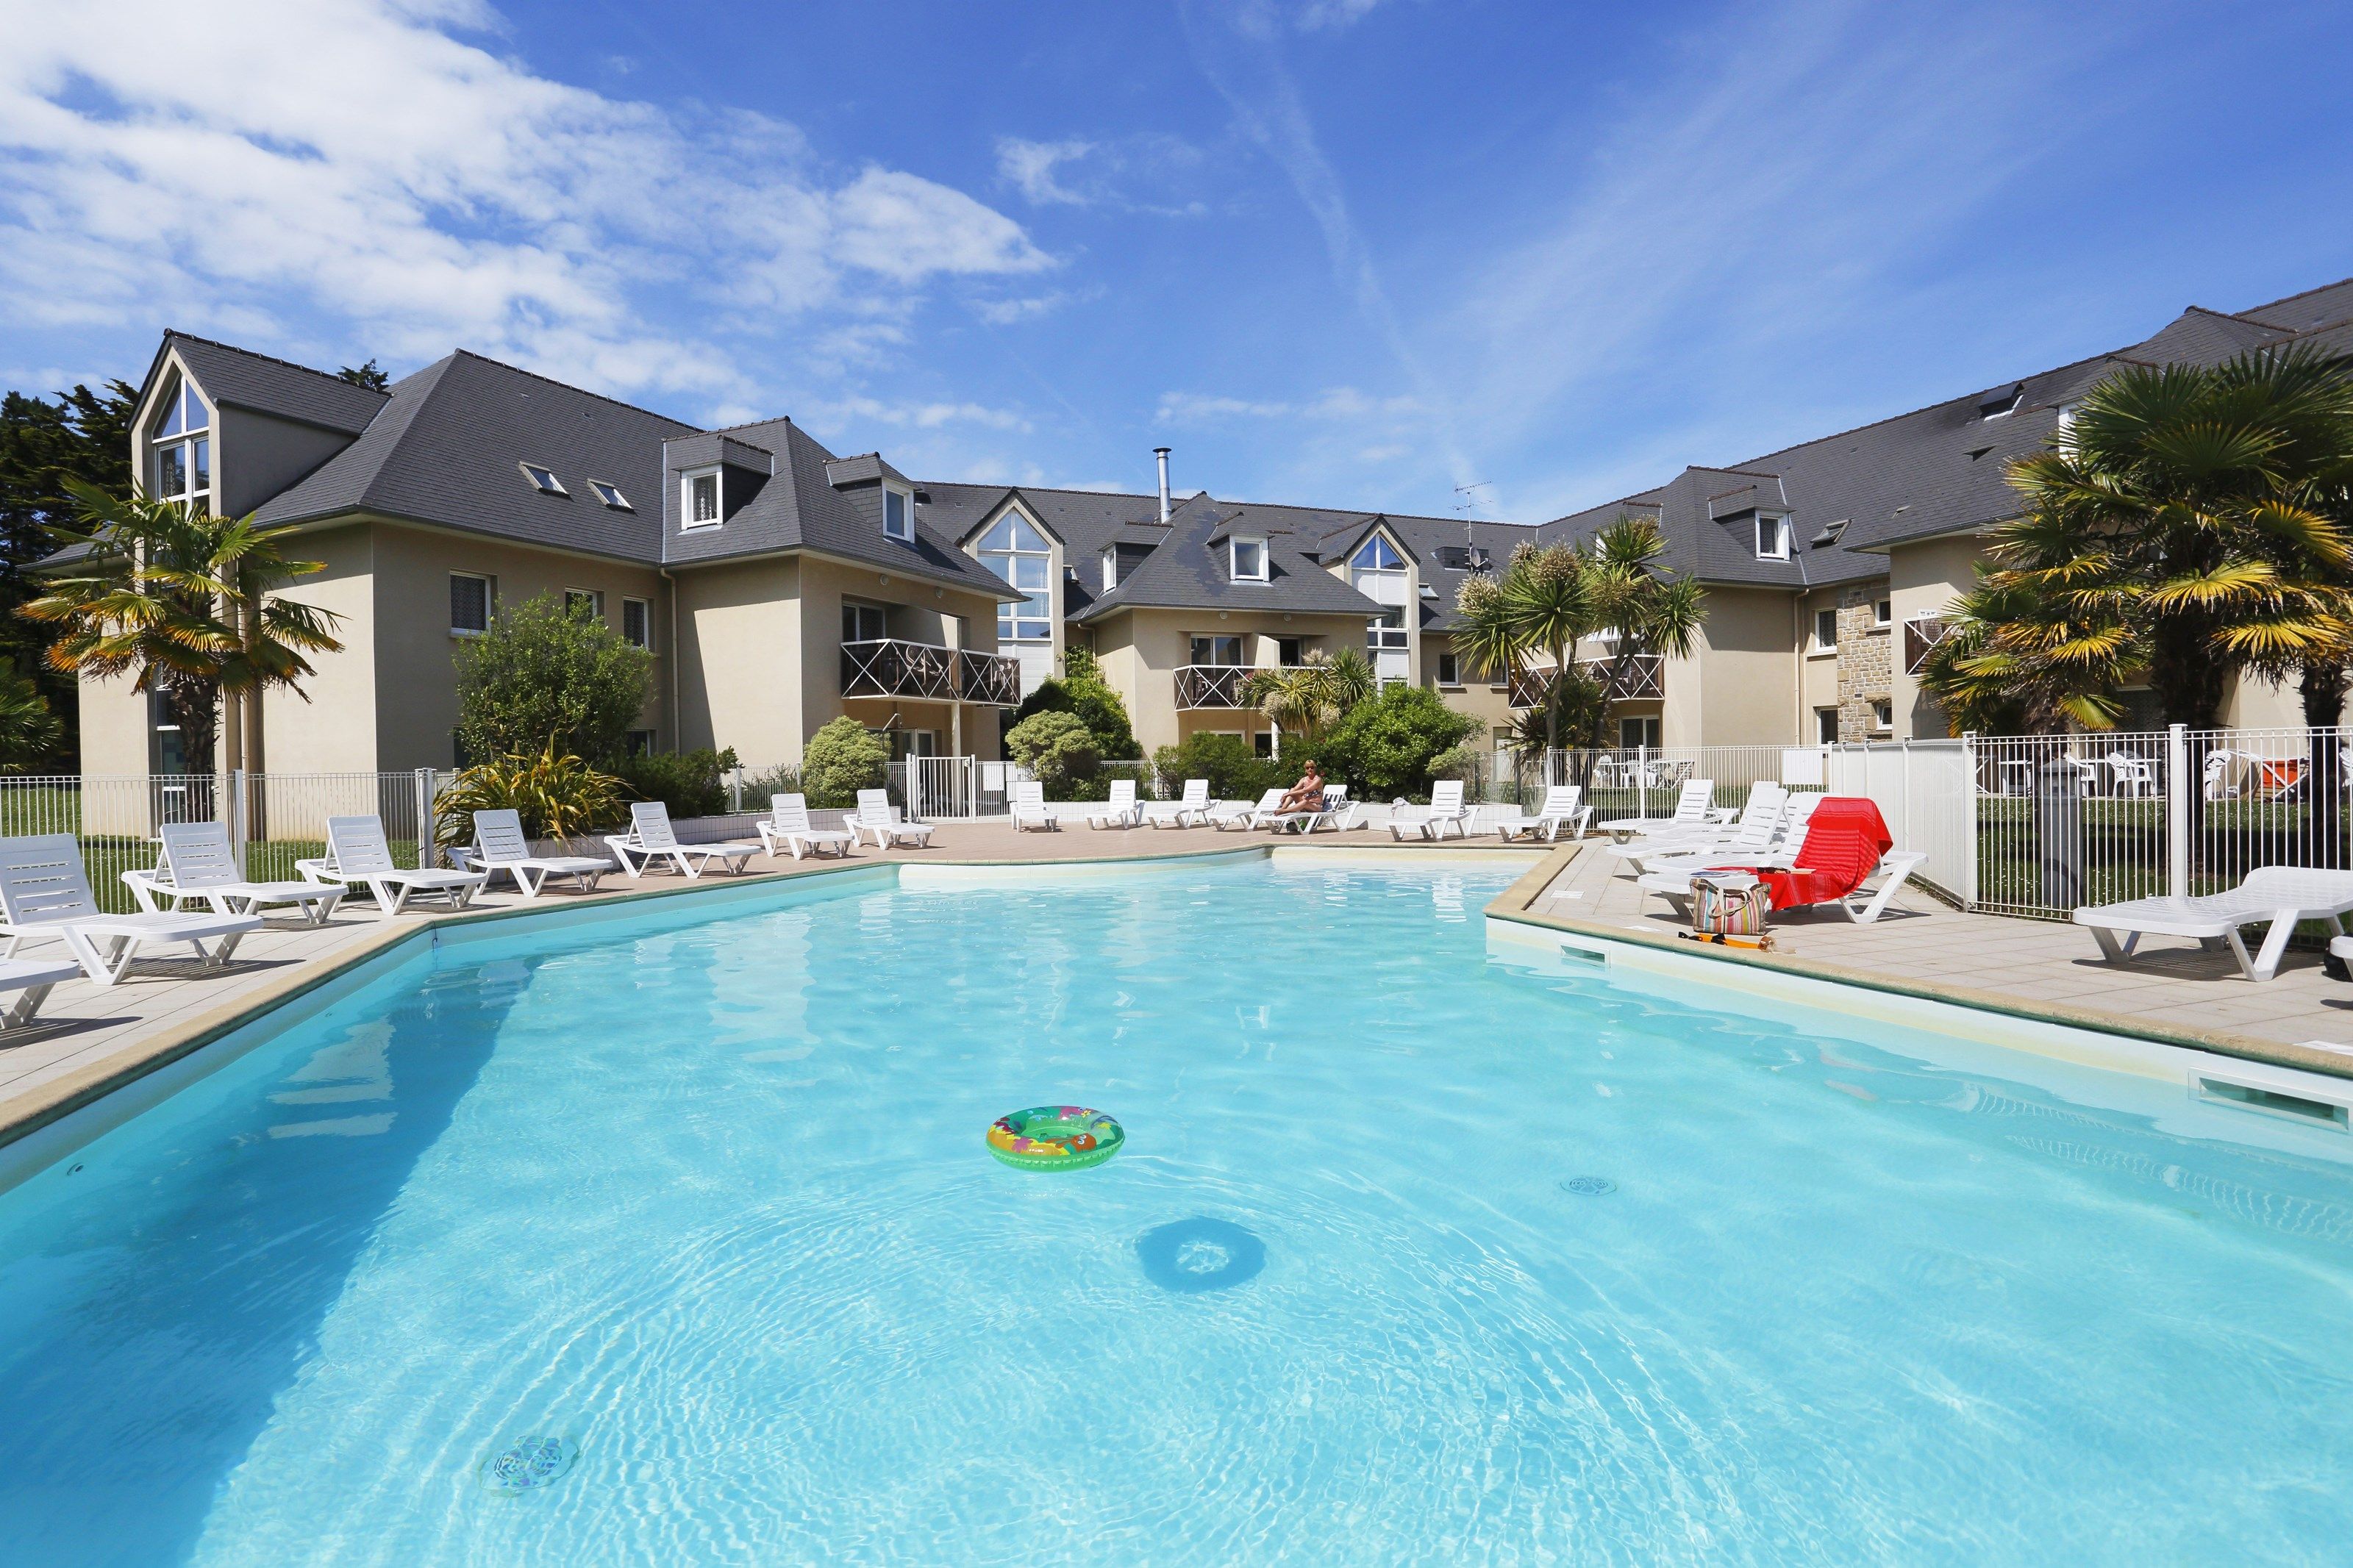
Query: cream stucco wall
<point x="1747" y="681"/>
<point x="336" y="730"/>
<point x="739" y="634"/>
<point x="1924" y="579"/>
<point x="1141" y="650"/>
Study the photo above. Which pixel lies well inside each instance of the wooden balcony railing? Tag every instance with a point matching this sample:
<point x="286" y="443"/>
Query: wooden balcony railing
<point x="887" y="667"/>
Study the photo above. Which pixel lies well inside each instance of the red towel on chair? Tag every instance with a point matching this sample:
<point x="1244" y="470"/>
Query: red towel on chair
<point x="1844" y="840"/>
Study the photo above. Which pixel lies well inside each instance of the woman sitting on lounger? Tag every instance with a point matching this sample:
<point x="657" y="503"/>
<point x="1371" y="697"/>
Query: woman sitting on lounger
<point x="1307" y="794"/>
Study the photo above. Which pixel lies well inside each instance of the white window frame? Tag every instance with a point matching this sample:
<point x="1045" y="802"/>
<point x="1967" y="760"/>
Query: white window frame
<point x="1883" y="614"/>
<point x="858" y="609"/>
<point x="490" y="603"/>
<point x="1453" y="682"/>
<point x="907" y="511"/>
<point x="1110" y="567"/>
<point x="1828" y="716"/>
<point x="1883" y="714"/>
<point x="1012" y="616"/>
<point x="532" y="471"/>
<point x="1234" y="559"/>
<point x="193" y="437"/>
<point x="1819" y="644"/>
<point x="646" y="618"/>
<point x="596" y="597"/>
<point x="687" y="482"/>
<point x="1780" y="549"/>
<point x="610" y="494"/>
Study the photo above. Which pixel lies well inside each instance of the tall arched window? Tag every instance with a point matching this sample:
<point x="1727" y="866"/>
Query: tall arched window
<point x="1017" y="552"/>
<point x="180" y="448"/>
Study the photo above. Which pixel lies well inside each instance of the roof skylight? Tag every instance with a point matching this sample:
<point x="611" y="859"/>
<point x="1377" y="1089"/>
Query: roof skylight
<point x="544" y="479"/>
<point x="610" y="495"/>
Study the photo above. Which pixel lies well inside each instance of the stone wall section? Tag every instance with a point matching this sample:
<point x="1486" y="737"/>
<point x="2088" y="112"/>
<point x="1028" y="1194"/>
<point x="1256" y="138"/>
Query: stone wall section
<point x="1865" y="661"/>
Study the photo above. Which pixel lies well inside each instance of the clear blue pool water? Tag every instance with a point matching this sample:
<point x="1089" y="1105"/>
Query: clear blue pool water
<point x="709" y="1206"/>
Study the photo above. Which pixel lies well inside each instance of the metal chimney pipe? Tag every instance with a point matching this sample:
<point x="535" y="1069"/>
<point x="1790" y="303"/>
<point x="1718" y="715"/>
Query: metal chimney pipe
<point x="1162" y="453"/>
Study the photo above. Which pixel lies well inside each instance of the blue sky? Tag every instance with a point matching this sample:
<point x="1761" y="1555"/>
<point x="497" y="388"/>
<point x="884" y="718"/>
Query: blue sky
<point x="1341" y="252"/>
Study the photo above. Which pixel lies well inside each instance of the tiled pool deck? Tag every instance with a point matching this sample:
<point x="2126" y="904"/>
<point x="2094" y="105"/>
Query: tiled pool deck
<point x="91" y="1037"/>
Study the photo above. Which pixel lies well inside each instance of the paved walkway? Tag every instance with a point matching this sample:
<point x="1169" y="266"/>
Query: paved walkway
<point x="2174" y="982"/>
<point x="87" y="1032"/>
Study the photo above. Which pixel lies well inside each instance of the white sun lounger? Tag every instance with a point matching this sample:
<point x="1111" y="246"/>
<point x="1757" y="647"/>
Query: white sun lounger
<point x="1337" y="813"/>
<point x="199" y="862"/>
<point x="1191" y="812"/>
<point x="1446" y="810"/>
<point x="1120" y="810"/>
<point x="2283" y="895"/>
<point x="30" y="979"/>
<point x="1692" y="799"/>
<point x="358" y="855"/>
<point x="1780" y="848"/>
<point x="877" y="815"/>
<point x="500" y="846"/>
<point x="1236" y="813"/>
<point x="1758" y="823"/>
<point x="45" y="890"/>
<point x="788" y="822"/>
<point x="1563" y="806"/>
<point x="1026" y="801"/>
<point x="1862" y="906"/>
<point x="651" y="837"/>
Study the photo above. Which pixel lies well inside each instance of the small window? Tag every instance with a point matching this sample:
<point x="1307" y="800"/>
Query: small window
<point x="470" y="604"/>
<point x="703" y="500"/>
<point x="1449" y="672"/>
<point x="1286" y="653"/>
<point x="1262" y="744"/>
<point x="637" y="623"/>
<point x="1772" y="538"/>
<point x="1637" y="732"/>
<point x="1375" y="555"/>
<point x="863" y="622"/>
<point x="1249" y="560"/>
<point x="898" y="514"/>
<point x="1110" y="568"/>
<point x="1883" y="714"/>
<point x="641" y="743"/>
<point x="1825" y="628"/>
<point x="587" y="601"/>
<point x="544" y="480"/>
<point x="611" y="495"/>
<point x="1216" y="650"/>
<point x="1997" y="405"/>
<point x="1883" y="613"/>
<point x="1826" y="726"/>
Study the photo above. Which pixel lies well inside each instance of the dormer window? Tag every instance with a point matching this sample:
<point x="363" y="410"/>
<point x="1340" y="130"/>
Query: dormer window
<point x="544" y="481"/>
<point x="181" y="456"/>
<point x="898" y="514"/>
<point x="1110" y="568"/>
<point x="1772" y="537"/>
<point x="1248" y="559"/>
<point x="699" y="499"/>
<point x="611" y="495"/>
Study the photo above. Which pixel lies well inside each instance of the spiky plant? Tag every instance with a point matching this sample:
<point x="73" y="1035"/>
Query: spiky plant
<point x="557" y="796"/>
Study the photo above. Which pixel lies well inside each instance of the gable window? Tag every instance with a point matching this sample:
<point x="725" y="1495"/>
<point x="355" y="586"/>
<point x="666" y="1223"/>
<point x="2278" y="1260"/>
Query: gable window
<point x="1825" y="630"/>
<point x="1217" y="650"/>
<point x="1017" y="552"/>
<point x="544" y="480"/>
<point x="611" y="495"/>
<point x="1772" y="537"/>
<point x="863" y="622"/>
<point x="637" y="623"/>
<point x="181" y="464"/>
<point x="587" y="601"/>
<point x="699" y="500"/>
<point x="1246" y="560"/>
<point x="898" y="514"/>
<point x="470" y="598"/>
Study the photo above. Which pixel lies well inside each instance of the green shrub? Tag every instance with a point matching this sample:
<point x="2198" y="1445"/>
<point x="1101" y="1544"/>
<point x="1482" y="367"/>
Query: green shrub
<point x="758" y="787"/>
<point x="1385" y="747"/>
<point x="1234" y="771"/>
<point x="556" y="796"/>
<point x="841" y="759"/>
<point x="545" y="679"/>
<point x="1083" y="691"/>
<point x="692" y="784"/>
<point x="1056" y="747"/>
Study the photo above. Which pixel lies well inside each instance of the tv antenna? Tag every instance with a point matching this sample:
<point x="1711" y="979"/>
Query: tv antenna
<point x="1471" y="499"/>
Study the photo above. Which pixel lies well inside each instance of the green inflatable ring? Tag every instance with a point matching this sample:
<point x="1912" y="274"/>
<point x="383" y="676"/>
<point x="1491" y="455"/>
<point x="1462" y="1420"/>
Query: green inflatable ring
<point x="1055" y="1137"/>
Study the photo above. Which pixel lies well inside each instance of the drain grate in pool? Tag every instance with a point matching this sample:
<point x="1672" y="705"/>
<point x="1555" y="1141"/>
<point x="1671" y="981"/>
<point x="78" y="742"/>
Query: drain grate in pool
<point x="1191" y="1256"/>
<point x="1588" y="1186"/>
<point x="529" y="1463"/>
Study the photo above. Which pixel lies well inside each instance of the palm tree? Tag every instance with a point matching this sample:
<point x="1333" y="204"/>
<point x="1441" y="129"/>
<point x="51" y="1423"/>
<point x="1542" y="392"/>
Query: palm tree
<point x="30" y="732"/>
<point x="180" y="600"/>
<point x="1307" y="699"/>
<point x="1552" y="596"/>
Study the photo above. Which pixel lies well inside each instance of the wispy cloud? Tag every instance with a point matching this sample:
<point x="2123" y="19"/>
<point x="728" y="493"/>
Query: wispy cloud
<point x="1338" y="404"/>
<point x="240" y="164"/>
<point x="1143" y="173"/>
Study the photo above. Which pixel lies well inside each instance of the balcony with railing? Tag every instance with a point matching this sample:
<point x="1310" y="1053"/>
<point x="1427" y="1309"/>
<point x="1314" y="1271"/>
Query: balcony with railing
<point x="1212" y="685"/>
<point x="887" y="667"/>
<point x="1921" y="635"/>
<point x="1626" y="677"/>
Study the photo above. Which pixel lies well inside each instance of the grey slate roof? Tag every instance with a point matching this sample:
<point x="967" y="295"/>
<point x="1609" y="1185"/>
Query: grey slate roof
<point x="248" y="380"/>
<point x="1188" y="570"/>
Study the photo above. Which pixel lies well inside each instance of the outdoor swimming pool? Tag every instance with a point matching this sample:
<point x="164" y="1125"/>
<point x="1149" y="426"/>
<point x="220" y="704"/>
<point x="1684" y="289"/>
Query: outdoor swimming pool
<point x="1414" y="1253"/>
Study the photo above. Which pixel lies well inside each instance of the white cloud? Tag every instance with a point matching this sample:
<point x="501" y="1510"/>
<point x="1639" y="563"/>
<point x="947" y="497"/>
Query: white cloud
<point x="1334" y="14"/>
<point x="254" y="160"/>
<point x="1028" y="167"/>
<point x="1338" y="405"/>
<point x="839" y="413"/>
<point x="1144" y="173"/>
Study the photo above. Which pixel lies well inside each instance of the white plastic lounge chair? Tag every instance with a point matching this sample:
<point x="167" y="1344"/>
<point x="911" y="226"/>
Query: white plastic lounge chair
<point x="1336" y="812"/>
<point x="1563" y="804"/>
<point x="500" y="846"/>
<point x="30" y="979"/>
<point x="44" y="889"/>
<point x="1191" y="812"/>
<point x="1027" y="801"/>
<point x="357" y="855"/>
<point x="1692" y="805"/>
<point x="651" y="837"/>
<point x="1862" y="906"/>
<point x="1754" y="828"/>
<point x="788" y="822"/>
<point x="1237" y="813"/>
<point x="1780" y="846"/>
<point x="2282" y="895"/>
<point x="876" y="815"/>
<point x="1445" y="810"/>
<point x="199" y="862"/>
<point x="1120" y="810"/>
